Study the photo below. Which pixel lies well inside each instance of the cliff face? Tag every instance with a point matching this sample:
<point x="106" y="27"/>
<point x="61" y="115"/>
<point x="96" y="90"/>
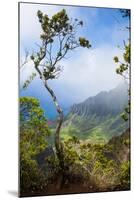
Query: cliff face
<point x="104" y="103"/>
<point x="99" y="115"/>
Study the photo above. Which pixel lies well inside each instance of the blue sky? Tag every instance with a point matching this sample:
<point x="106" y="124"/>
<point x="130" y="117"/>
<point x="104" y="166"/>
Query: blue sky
<point x="85" y="72"/>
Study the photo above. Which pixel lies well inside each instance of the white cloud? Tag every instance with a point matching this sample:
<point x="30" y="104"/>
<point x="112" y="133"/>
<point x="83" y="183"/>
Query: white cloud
<point x="85" y="72"/>
<point x="91" y="72"/>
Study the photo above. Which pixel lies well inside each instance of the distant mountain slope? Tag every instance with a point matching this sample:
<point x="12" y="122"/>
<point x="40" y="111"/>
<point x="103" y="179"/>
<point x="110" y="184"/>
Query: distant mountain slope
<point x="98" y="117"/>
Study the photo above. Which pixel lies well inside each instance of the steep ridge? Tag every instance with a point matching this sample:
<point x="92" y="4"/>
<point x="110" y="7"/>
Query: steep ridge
<point x="98" y="117"/>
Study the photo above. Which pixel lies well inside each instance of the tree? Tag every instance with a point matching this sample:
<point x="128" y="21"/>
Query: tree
<point x="32" y="120"/>
<point x="123" y="68"/>
<point x="58" y="38"/>
<point x="33" y="139"/>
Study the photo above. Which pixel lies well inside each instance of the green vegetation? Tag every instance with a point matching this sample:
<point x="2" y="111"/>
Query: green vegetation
<point x="123" y="68"/>
<point x="103" y="166"/>
<point x="91" y="152"/>
<point x="33" y="139"/>
<point x="90" y="166"/>
<point x="58" y="38"/>
<point x="94" y="129"/>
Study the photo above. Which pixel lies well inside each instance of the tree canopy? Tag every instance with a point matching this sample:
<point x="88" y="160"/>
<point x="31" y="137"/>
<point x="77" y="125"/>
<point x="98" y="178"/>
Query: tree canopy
<point x="123" y="67"/>
<point x="33" y="127"/>
<point x="33" y="140"/>
<point x="58" y="37"/>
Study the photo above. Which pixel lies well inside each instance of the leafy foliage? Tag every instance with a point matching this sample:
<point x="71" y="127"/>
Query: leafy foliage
<point x="32" y="178"/>
<point x="125" y="174"/>
<point x="27" y="82"/>
<point x="123" y="68"/>
<point x="84" y="42"/>
<point x="33" y="139"/>
<point x="58" y="37"/>
<point x="102" y="166"/>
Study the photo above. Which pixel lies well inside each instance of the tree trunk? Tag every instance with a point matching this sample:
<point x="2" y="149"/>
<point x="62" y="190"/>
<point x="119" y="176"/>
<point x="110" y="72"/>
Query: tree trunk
<point x="58" y="144"/>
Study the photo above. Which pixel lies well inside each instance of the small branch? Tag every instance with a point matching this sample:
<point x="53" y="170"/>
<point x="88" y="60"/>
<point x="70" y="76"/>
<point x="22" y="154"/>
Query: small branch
<point x="25" y="60"/>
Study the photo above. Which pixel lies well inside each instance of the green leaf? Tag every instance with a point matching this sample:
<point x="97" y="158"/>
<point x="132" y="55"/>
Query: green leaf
<point x="116" y="59"/>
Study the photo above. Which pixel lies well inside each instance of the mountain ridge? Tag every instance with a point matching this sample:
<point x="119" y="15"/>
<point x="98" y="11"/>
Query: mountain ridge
<point x="98" y="116"/>
<point x="103" y="97"/>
